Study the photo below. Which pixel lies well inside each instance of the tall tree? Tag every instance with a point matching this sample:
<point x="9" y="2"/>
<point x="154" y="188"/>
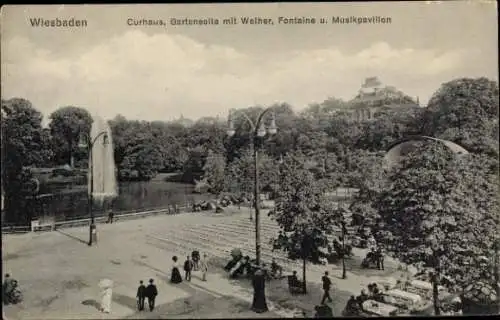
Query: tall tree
<point x="214" y="172"/>
<point x="301" y="213"/>
<point x="66" y="126"/>
<point x="439" y="207"/>
<point x="24" y="145"/>
<point x="465" y="110"/>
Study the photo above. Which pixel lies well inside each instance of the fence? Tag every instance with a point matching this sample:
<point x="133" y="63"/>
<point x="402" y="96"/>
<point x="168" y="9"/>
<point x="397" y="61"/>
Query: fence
<point x="83" y="221"/>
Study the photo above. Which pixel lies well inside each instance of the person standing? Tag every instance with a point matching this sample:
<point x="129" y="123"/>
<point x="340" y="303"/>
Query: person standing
<point x="141" y="295"/>
<point x="188" y="267"/>
<point x="110" y="216"/>
<point x="106" y="295"/>
<point x="204" y="267"/>
<point x="151" y="293"/>
<point x="175" y="276"/>
<point x="327" y="283"/>
<point x="259" y="304"/>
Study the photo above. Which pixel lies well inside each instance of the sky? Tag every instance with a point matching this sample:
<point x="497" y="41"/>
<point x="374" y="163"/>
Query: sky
<point x="163" y="72"/>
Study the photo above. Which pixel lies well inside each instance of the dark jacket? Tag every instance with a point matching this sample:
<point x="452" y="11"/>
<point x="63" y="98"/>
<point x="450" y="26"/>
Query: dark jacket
<point x="141" y="291"/>
<point x="151" y="291"/>
<point x="188" y="265"/>
<point x="326" y="283"/>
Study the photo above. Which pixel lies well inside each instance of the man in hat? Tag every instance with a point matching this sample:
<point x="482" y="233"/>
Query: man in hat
<point x="151" y="293"/>
<point x="327" y="283"/>
<point x="188" y="267"/>
<point x="141" y="295"/>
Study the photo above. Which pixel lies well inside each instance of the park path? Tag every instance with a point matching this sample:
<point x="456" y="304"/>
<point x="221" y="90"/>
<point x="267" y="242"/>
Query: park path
<point x="58" y="272"/>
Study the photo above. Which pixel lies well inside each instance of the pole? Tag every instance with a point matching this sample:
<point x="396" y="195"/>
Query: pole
<point x="90" y="196"/>
<point x="344" y="275"/>
<point x="252" y="149"/>
<point x="496" y="276"/>
<point x="435" y="283"/>
<point x="256" y="199"/>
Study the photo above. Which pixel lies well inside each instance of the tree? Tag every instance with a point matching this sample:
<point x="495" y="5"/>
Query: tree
<point x="440" y="207"/>
<point x="241" y="172"/>
<point x="24" y="145"/>
<point x="66" y="126"/>
<point x="214" y="172"/>
<point x="300" y="212"/>
<point x="465" y="110"/>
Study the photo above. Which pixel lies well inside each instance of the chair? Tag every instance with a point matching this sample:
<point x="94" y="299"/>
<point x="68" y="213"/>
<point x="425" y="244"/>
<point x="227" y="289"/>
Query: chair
<point x="294" y="286"/>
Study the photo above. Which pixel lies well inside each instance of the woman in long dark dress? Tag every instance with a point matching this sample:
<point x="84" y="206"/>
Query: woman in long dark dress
<point x="176" y="275"/>
<point x="259" y="304"/>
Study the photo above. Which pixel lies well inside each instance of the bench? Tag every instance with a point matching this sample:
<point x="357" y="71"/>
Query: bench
<point x="295" y="286"/>
<point x="36" y="225"/>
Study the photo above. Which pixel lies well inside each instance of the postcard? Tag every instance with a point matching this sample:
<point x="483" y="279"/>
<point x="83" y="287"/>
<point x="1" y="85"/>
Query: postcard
<point x="229" y="160"/>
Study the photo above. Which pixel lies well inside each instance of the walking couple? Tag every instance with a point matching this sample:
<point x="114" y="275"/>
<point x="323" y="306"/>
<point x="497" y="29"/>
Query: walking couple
<point x="144" y="292"/>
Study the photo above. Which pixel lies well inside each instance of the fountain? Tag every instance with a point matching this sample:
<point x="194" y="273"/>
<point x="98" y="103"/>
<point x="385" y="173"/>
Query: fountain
<point x="102" y="171"/>
<point x="102" y="162"/>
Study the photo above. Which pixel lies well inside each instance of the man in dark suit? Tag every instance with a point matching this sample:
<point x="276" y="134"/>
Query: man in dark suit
<point x="327" y="283"/>
<point x="151" y="293"/>
<point x="188" y="267"/>
<point x="141" y="295"/>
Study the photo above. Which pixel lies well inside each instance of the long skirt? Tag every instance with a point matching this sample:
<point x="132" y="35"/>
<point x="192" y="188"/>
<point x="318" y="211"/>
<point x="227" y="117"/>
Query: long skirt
<point x="259" y="304"/>
<point x="176" y="276"/>
<point x="106" y="297"/>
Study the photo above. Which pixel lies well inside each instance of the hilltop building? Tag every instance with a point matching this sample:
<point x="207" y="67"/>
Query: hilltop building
<point x="374" y="96"/>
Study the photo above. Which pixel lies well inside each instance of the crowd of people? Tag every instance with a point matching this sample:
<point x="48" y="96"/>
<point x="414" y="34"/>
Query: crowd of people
<point x="354" y="306"/>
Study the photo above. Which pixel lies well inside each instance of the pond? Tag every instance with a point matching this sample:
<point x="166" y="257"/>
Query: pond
<point x="72" y="203"/>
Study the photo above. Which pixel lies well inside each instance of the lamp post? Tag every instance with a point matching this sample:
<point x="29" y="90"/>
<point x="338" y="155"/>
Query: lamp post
<point x="435" y="277"/>
<point x="258" y="130"/>
<point x="344" y="274"/>
<point x="88" y="142"/>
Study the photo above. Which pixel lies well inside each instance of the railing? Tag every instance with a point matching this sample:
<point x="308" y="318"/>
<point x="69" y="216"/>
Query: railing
<point x="83" y="221"/>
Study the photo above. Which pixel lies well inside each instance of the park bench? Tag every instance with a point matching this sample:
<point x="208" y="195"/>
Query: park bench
<point x="295" y="286"/>
<point x="41" y="225"/>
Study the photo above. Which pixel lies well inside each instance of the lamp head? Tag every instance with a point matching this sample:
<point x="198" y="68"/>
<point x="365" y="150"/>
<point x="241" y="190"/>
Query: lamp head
<point x="105" y="139"/>
<point x="230" y="126"/>
<point x="273" y="129"/>
<point x="83" y="141"/>
<point x="262" y="131"/>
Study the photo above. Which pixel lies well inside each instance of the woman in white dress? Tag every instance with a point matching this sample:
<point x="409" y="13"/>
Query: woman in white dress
<point x="106" y="295"/>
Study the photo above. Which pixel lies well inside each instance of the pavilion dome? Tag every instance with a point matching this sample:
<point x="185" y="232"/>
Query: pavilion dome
<point x="401" y="148"/>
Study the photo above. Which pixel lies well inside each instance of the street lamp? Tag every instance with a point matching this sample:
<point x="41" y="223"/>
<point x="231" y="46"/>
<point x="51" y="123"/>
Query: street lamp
<point x="435" y="276"/>
<point x="344" y="274"/>
<point x="258" y="130"/>
<point x="87" y="142"/>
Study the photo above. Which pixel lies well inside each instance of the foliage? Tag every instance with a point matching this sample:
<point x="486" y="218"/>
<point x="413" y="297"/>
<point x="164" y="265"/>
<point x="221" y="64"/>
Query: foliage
<point x="301" y="212"/>
<point x="336" y="150"/>
<point x="214" y="172"/>
<point x="437" y="203"/>
<point x="465" y="110"/>
<point x="67" y="125"/>
<point x="240" y="173"/>
<point x="24" y="144"/>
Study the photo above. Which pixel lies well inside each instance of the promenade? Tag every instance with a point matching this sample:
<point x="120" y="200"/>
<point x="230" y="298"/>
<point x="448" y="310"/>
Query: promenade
<point x="58" y="273"/>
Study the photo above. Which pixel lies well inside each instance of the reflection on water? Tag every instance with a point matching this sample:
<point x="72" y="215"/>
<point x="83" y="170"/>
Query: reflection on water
<point x="131" y="196"/>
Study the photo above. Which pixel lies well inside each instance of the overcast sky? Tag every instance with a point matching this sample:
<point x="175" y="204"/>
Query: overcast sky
<point x="159" y="73"/>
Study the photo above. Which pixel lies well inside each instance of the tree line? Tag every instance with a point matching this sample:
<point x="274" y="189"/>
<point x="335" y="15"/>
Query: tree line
<point x="336" y="150"/>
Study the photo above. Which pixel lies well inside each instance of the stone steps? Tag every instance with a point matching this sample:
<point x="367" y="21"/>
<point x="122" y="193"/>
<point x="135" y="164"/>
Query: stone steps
<point x="214" y="230"/>
<point x="194" y="239"/>
<point x="187" y="246"/>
